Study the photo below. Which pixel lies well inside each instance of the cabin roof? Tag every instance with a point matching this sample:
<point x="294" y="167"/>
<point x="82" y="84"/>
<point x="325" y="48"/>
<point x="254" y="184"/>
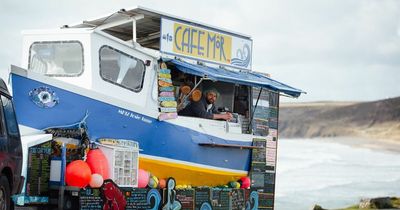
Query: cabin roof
<point x="148" y="25"/>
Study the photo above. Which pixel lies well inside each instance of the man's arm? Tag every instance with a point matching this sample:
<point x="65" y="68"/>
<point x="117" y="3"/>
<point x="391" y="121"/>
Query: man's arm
<point x="226" y="116"/>
<point x="199" y="111"/>
<point x="218" y="116"/>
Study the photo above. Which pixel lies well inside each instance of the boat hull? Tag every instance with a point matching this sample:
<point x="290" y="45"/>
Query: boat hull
<point x="168" y="150"/>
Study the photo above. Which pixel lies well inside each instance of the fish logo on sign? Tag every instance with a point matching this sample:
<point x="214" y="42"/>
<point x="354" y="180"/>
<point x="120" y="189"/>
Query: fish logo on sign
<point x="243" y="57"/>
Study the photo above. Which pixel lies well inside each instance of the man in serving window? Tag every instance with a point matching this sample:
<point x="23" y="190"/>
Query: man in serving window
<point x="205" y="107"/>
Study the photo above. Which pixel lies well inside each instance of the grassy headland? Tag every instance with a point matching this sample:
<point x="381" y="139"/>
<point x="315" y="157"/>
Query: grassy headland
<point x="377" y="120"/>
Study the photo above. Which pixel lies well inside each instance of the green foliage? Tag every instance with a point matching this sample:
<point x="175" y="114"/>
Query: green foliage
<point x="395" y="202"/>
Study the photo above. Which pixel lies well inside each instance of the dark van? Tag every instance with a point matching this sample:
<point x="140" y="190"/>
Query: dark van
<point x="11" y="180"/>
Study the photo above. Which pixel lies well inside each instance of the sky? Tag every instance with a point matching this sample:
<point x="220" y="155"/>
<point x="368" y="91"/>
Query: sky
<point x="341" y="50"/>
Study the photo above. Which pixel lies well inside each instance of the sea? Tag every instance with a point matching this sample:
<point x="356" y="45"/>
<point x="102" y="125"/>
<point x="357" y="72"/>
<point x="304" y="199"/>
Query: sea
<point x="332" y="175"/>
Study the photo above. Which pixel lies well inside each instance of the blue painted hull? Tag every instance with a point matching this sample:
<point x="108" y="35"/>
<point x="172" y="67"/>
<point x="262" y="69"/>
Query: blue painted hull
<point x="156" y="138"/>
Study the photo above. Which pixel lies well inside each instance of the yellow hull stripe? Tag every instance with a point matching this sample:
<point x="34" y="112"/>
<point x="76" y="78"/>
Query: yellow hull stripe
<point x="187" y="174"/>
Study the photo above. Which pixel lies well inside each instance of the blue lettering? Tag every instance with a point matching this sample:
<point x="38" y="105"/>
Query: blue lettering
<point x="200" y="48"/>
<point x="175" y="41"/>
<point x="221" y="49"/>
<point x="212" y="40"/>
<point x="186" y="36"/>
<point x="191" y="40"/>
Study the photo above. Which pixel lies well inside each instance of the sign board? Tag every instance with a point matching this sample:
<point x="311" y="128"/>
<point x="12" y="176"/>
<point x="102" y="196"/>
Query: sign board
<point x="205" y="44"/>
<point x="186" y="198"/>
<point x="37" y="183"/>
<point x="90" y="199"/>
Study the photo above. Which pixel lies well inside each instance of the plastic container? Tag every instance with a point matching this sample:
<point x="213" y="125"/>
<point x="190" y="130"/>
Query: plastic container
<point x="123" y="161"/>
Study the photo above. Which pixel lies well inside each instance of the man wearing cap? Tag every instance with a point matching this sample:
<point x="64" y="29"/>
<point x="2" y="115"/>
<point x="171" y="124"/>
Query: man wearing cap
<point x="205" y="108"/>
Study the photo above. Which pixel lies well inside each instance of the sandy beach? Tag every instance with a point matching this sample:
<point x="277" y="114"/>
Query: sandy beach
<point x="370" y="143"/>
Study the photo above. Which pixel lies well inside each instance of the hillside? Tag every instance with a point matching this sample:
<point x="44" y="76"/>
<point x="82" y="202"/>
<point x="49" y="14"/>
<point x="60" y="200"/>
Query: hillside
<point x="374" y="120"/>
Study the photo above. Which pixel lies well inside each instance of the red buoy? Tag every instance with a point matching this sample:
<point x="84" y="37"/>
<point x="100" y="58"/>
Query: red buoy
<point x="98" y="163"/>
<point x="78" y="174"/>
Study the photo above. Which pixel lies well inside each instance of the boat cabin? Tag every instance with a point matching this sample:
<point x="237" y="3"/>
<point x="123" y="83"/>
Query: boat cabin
<point x="121" y="57"/>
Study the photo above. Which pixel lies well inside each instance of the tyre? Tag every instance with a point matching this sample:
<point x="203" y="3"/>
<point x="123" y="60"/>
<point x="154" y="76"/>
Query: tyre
<point x="4" y="193"/>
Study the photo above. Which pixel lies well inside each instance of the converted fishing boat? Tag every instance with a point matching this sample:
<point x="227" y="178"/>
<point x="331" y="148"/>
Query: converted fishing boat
<point x="124" y="76"/>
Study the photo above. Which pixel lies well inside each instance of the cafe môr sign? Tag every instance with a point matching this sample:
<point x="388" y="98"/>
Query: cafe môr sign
<point x="206" y="44"/>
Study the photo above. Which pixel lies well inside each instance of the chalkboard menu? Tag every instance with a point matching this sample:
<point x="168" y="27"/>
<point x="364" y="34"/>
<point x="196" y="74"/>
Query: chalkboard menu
<point x="265" y="200"/>
<point x="186" y="198"/>
<point x="38" y="176"/>
<point x="265" y="124"/>
<point x="238" y="199"/>
<point x="221" y="199"/>
<point x="262" y="179"/>
<point x="259" y="155"/>
<point x="202" y="195"/>
<point x="258" y="167"/>
<point x="257" y="180"/>
<point x="269" y="178"/>
<point x="260" y="116"/>
<point x="136" y="198"/>
<point x="90" y="199"/>
<point x="259" y="142"/>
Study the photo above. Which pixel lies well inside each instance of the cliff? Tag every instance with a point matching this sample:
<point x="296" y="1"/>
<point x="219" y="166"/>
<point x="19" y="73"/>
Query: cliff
<point x="377" y="119"/>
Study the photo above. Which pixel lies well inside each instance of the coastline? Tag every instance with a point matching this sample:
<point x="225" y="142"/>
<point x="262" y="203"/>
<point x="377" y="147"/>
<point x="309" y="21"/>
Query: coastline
<point x="388" y="145"/>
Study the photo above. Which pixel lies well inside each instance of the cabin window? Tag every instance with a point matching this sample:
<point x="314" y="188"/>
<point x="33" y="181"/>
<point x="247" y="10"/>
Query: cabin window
<point x="9" y="115"/>
<point x="121" y="69"/>
<point x="58" y="58"/>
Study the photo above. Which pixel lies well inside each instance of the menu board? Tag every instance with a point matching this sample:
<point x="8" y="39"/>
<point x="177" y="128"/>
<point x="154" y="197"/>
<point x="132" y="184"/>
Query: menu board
<point x="136" y="198"/>
<point x="269" y="178"/>
<point x="265" y="200"/>
<point x="238" y="199"/>
<point x="259" y="154"/>
<point x="38" y="176"/>
<point x="221" y="199"/>
<point x="202" y="195"/>
<point x="265" y="124"/>
<point x="258" y="167"/>
<point x="90" y="199"/>
<point x="186" y="198"/>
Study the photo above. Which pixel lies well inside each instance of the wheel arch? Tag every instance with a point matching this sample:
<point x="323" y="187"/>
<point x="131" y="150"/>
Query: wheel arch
<point x="8" y="173"/>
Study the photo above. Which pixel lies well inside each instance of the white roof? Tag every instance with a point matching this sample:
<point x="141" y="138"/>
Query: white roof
<point x="148" y="25"/>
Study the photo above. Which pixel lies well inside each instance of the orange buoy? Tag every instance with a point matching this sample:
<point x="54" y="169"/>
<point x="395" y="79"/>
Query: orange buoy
<point x="98" y="163"/>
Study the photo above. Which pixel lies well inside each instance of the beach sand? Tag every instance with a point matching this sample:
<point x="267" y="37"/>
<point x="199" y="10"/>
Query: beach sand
<point x="363" y="142"/>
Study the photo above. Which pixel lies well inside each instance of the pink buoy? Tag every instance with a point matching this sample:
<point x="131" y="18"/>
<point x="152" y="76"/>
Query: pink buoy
<point x="98" y="163"/>
<point x="96" y="181"/>
<point x="143" y="178"/>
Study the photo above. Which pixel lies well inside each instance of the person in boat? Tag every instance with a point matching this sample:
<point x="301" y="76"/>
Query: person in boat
<point x="205" y="107"/>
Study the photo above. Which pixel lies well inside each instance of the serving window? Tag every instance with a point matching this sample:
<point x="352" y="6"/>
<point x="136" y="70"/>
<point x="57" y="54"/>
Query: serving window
<point x="232" y="97"/>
